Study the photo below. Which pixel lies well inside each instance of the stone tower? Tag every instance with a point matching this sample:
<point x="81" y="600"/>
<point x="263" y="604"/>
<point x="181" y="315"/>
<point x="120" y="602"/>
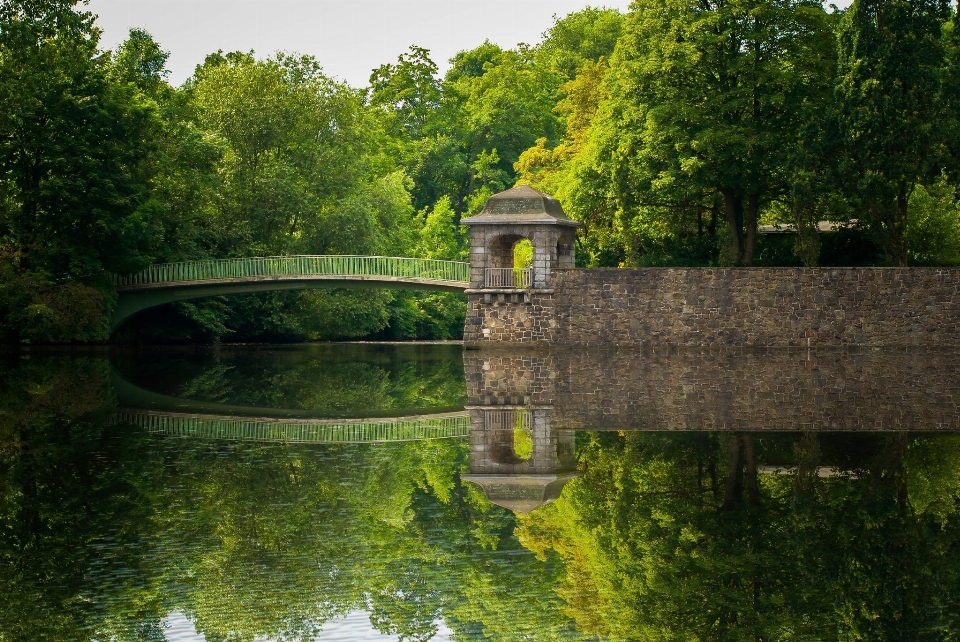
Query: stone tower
<point x="505" y="303"/>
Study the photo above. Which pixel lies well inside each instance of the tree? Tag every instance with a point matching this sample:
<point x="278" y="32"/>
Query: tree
<point x="703" y="108"/>
<point x="676" y="537"/>
<point x="440" y="237"/>
<point x="504" y="102"/>
<point x="409" y="91"/>
<point x="74" y="147"/>
<point x="577" y="38"/>
<point x="141" y="61"/>
<point x="296" y="143"/>
<point x="289" y="162"/>
<point x="891" y="66"/>
<point x="933" y="228"/>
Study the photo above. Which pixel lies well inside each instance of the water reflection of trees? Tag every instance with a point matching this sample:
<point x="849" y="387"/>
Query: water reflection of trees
<point x="676" y="537"/>
<point x="340" y="379"/>
<point x="104" y="530"/>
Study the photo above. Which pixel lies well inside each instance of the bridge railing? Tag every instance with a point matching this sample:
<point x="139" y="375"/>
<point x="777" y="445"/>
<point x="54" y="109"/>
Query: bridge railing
<point x="508" y="278"/>
<point x="280" y="266"/>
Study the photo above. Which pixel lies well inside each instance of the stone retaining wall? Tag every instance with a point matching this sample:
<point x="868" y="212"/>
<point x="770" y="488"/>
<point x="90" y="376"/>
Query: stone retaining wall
<point x="771" y="307"/>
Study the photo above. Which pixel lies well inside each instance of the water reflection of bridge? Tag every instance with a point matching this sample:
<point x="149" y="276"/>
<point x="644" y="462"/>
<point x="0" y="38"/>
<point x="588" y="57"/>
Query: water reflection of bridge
<point x="168" y="415"/>
<point x="523" y="410"/>
<point x="315" y="431"/>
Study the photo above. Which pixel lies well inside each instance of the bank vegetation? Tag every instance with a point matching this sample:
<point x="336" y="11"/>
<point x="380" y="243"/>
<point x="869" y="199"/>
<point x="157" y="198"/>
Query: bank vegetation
<point x="675" y="132"/>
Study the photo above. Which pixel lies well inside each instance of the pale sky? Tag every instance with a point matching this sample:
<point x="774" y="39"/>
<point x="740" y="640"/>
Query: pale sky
<point x="350" y="38"/>
<point x="352" y="627"/>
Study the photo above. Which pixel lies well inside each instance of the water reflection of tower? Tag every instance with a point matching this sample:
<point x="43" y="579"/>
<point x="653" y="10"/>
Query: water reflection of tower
<point x="516" y="456"/>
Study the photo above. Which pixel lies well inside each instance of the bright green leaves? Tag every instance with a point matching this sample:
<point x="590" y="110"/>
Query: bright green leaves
<point x="933" y="226"/>
<point x="440" y="236"/>
<point x="295" y="145"/>
<point x="408" y="91"/>
<point x="141" y="61"/>
<point x="576" y="39"/>
<point x="707" y="102"/>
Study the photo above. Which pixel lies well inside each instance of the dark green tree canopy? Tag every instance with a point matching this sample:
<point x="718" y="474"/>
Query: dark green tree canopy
<point x="72" y="145"/>
<point x="890" y="109"/>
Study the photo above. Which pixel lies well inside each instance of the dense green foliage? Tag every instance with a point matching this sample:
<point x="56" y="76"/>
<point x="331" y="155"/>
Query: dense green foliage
<point x="709" y="119"/>
<point x="673" y="131"/>
<point x="679" y="537"/>
<point x="105" y="530"/>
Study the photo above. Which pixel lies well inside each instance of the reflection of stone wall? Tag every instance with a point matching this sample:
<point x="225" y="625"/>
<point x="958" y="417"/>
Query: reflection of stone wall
<point x="504" y="379"/>
<point x="727" y="390"/>
<point x="735" y="307"/>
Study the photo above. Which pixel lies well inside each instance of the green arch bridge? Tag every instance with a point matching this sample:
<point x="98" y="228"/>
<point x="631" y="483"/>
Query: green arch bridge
<point x="170" y="282"/>
<point x="163" y="414"/>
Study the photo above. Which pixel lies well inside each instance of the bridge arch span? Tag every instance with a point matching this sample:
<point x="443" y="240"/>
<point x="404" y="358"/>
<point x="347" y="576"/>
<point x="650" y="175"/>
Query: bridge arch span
<point x="171" y="282"/>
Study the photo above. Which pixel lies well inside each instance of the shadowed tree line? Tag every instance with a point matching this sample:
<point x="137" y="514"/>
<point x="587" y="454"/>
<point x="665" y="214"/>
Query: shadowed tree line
<point x="328" y="380"/>
<point x="672" y="131"/>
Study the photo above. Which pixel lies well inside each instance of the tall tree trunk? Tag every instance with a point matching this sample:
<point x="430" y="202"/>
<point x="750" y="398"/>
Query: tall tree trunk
<point x="753" y="207"/>
<point x="901" y="473"/>
<point x="742" y="474"/>
<point x="808" y="458"/>
<point x="733" y="214"/>
<point x="901" y="241"/>
<point x="750" y="470"/>
<point x="31" y="533"/>
<point x="733" y="484"/>
<point x="714" y="485"/>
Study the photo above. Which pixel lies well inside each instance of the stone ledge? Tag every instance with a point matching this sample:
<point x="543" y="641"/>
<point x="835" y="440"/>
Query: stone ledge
<point x="510" y="407"/>
<point x="508" y="291"/>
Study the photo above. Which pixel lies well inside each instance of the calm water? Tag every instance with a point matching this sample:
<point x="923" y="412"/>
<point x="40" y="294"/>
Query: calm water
<point x="355" y="492"/>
